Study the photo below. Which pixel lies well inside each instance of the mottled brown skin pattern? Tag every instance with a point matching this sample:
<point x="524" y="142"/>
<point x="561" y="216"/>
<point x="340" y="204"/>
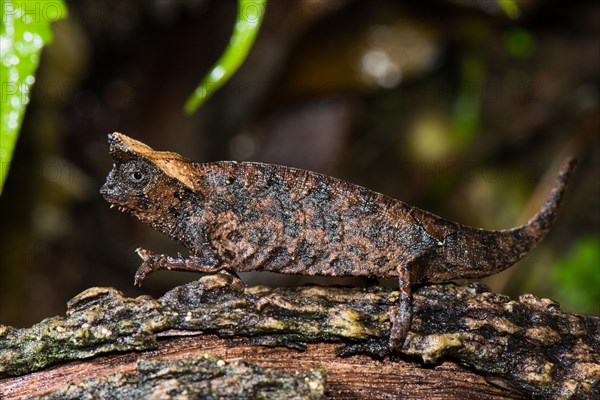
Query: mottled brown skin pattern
<point x="251" y="216"/>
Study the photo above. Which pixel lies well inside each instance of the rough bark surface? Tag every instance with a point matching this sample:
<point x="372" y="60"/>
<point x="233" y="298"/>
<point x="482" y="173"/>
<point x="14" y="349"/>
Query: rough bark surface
<point x="200" y="376"/>
<point x="354" y="377"/>
<point x="528" y="347"/>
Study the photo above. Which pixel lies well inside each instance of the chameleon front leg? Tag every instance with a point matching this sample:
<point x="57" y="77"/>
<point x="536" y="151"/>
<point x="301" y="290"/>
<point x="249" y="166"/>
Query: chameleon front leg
<point x="401" y="315"/>
<point x="154" y="262"/>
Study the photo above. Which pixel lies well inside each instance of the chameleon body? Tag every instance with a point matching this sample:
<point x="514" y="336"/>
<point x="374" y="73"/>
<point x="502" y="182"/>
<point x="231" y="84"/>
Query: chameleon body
<point x="252" y="216"/>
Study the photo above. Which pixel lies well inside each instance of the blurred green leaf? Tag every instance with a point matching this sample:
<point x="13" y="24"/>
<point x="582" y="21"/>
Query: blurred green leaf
<point x="519" y="42"/>
<point x="510" y="8"/>
<point x="577" y="277"/>
<point x="24" y="30"/>
<point x="249" y="17"/>
<point x="467" y="108"/>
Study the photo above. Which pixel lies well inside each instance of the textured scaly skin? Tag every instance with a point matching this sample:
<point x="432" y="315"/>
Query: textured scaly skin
<point x="253" y="216"/>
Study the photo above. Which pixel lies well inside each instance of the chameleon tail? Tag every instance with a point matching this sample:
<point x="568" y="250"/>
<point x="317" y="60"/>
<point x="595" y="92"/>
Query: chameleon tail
<point x="474" y="253"/>
<point x="514" y="244"/>
<point x="537" y="227"/>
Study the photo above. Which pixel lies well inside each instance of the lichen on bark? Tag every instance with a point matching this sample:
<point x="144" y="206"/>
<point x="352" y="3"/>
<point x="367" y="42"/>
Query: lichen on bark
<point x="529" y="343"/>
<point x="203" y="376"/>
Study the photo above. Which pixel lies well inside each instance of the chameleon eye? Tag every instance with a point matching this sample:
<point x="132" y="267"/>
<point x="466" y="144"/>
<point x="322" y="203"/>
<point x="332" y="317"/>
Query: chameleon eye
<point x="137" y="176"/>
<point x="137" y="173"/>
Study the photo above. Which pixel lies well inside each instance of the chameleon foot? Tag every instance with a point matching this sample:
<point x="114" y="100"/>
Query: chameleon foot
<point x="401" y="313"/>
<point x="401" y="318"/>
<point x="151" y="263"/>
<point x="396" y="337"/>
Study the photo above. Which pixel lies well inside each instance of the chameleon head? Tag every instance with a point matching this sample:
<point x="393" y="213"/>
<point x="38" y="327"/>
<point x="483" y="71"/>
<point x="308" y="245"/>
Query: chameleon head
<point x="141" y="180"/>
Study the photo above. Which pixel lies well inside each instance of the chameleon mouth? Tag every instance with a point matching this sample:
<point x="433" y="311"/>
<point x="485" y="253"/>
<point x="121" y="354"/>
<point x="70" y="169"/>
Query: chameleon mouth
<point x="113" y="200"/>
<point x="120" y="208"/>
<point x="111" y="194"/>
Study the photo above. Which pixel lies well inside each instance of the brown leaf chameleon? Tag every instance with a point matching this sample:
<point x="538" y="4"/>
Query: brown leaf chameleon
<point x="244" y="216"/>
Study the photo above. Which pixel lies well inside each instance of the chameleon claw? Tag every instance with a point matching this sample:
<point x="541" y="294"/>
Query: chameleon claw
<point x="149" y="265"/>
<point x="143" y="253"/>
<point x="395" y="335"/>
<point x="143" y="271"/>
<point x="400" y="319"/>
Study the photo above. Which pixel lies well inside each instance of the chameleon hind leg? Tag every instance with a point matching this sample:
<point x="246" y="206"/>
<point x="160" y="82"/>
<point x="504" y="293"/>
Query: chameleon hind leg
<point x="401" y="314"/>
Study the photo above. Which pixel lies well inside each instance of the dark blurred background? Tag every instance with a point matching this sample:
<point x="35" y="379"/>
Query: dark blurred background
<point x="451" y="106"/>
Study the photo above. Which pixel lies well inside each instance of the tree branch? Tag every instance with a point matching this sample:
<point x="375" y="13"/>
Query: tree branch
<point x="530" y="347"/>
